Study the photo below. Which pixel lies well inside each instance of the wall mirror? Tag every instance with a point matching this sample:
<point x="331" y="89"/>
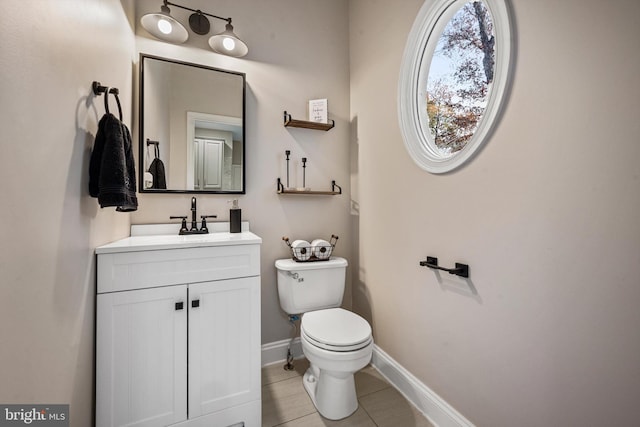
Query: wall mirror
<point x="192" y="134"/>
<point x="453" y="80"/>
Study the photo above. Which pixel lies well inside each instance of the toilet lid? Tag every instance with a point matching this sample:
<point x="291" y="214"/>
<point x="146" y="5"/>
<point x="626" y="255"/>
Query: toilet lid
<point x="336" y="329"/>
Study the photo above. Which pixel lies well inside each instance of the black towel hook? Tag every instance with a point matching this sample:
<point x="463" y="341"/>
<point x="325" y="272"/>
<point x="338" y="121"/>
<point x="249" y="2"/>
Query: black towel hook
<point x="156" y="147"/>
<point x="115" y="92"/>
<point x="98" y="90"/>
<point x="106" y="101"/>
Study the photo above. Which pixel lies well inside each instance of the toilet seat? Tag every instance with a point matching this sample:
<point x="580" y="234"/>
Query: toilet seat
<point x="335" y="348"/>
<point x="335" y="329"/>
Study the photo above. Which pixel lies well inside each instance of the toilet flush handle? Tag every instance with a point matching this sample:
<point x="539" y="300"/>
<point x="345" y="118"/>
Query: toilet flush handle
<point x="296" y="276"/>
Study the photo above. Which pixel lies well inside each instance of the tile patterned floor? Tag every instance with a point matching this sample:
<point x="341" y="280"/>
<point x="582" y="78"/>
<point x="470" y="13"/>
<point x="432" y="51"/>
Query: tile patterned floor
<point x="285" y="402"/>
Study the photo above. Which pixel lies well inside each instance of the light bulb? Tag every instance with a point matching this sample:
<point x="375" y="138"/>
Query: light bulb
<point x="164" y="26"/>
<point x="228" y="43"/>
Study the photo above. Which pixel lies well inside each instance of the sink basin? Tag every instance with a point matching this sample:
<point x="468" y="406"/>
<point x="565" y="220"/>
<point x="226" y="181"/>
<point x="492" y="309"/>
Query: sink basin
<point x="142" y="240"/>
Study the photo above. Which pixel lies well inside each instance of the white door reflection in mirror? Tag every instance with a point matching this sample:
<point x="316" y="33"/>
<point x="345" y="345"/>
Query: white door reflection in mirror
<point x="208" y="163"/>
<point x="214" y="152"/>
<point x="453" y="79"/>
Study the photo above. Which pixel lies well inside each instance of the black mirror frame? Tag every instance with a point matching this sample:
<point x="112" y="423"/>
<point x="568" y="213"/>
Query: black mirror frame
<point x="141" y="137"/>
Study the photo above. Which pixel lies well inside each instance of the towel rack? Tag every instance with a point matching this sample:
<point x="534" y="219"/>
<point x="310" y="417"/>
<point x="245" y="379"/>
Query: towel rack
<point x="98" y="90"/>
<point x="461" y="270"/>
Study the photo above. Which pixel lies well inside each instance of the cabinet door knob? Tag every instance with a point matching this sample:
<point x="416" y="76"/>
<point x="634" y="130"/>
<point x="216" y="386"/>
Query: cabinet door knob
<point x="195" y="303"/>
<point x="179" y="305"/>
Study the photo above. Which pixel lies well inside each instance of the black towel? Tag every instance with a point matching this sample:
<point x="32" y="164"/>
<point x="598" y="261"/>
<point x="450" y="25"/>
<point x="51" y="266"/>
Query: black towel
<point x="156" y="169"/>
<point x="112" y="173"/>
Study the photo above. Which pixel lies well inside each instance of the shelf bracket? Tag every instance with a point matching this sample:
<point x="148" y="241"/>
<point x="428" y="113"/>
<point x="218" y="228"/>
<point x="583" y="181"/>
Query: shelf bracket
<point x="333" y="187"/>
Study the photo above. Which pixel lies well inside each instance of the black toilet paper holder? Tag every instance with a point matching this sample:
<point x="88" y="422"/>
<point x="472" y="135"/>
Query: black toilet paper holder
<point x="460" y="269"/>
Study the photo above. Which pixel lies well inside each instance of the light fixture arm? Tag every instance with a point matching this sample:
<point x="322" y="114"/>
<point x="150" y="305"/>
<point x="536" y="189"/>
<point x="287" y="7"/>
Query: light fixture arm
<point x="197" y="11"/>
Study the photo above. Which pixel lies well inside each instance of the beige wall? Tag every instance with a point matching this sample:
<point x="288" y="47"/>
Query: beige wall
<point x="298" y="50"/>
<point x="51" y="52"/>
<point x="545" y="332"/>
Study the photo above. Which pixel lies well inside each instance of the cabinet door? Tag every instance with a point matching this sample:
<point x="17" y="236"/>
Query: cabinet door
<point x="224" y="344"/>
<point x="141" y="369"/>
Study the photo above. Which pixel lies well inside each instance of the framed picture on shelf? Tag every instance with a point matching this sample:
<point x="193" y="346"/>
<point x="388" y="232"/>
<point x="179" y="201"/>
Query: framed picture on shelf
<point x="318" y="111"/>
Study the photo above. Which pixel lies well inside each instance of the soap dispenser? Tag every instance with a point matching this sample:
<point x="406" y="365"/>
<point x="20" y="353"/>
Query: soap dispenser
<point x="235" y="217"/>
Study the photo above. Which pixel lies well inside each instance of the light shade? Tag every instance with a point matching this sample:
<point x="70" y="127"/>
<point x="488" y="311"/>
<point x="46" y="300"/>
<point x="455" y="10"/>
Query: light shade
<point x="227" y="43"/>
<point x="163" y="26"/>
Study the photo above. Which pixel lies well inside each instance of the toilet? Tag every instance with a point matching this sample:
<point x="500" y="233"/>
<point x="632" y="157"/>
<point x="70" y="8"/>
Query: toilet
<point x="337" y="342"/>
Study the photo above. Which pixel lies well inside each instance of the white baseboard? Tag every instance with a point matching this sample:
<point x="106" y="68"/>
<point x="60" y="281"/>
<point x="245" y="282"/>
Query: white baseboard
<point x="276" y="352"/>
<point x="439" y="412"/>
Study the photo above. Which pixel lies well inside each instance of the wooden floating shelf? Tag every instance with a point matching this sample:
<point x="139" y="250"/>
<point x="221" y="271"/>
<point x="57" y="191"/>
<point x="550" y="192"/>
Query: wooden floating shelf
<point x="332" y="192"/>
<point x="310" y="192"/>
<point x="293" y="123"/>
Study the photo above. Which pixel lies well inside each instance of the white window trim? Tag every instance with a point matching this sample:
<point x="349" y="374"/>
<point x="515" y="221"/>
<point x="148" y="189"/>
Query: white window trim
<point x="421" y="43"/>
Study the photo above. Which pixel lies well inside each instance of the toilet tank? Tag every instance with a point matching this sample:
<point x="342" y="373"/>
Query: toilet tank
<point x="309" y="286"/>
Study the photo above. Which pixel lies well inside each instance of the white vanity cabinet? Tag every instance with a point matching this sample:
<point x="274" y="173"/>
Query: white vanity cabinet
<point x="178" y="331"/>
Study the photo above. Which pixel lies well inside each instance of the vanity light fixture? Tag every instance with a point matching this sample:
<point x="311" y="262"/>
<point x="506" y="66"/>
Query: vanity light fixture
<point x="164" y="27"/>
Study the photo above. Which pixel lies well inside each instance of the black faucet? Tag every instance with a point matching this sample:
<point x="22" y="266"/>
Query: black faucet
<point x="194" y="224"/>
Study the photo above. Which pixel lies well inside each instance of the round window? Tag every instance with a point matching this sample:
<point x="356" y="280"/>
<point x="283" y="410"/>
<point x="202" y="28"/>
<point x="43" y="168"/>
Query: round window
<point x="453" y="79"/>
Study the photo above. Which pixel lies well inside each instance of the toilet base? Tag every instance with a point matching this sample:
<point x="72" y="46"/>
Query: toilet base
<point x="333" y="396"/>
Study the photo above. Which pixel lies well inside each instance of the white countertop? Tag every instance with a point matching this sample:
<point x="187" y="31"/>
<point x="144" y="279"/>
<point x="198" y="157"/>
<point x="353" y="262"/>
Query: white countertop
<point x="140" y="241"/>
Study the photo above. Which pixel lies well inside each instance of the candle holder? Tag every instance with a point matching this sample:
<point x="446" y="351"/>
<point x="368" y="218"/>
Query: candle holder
<point x="304" y="168"/>
<point x="287" y="153"/>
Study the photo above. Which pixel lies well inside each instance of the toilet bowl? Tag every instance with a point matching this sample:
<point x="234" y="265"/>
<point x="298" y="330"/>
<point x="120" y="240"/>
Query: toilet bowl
<point x="335" y="355"/>
<point x="337" y="342"/>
